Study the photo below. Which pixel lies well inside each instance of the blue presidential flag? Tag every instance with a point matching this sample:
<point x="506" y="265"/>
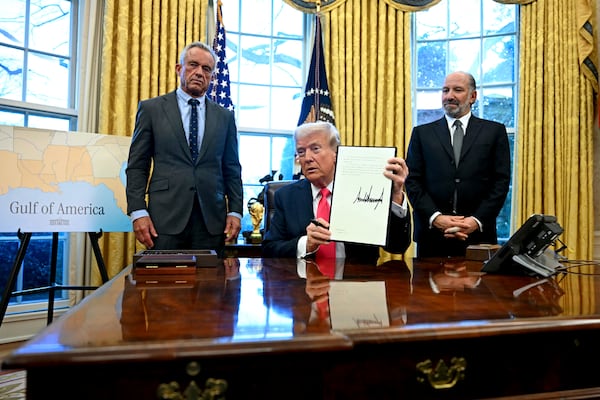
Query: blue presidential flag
<point x="218" y="90"/>
<point x="316" y="105"/>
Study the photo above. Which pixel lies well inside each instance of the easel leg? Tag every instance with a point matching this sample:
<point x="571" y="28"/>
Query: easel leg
<point x="52" y="283"/>
<point x="94" y="236"/>
<point x="14" y="272"/>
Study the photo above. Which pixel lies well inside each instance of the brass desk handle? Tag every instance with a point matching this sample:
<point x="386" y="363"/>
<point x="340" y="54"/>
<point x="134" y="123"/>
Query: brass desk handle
<point x="214" y="388"/>
<point x="442" y="376"/>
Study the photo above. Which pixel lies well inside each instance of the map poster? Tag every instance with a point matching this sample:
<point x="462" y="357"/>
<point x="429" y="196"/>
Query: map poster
<point x="54" y="181"/>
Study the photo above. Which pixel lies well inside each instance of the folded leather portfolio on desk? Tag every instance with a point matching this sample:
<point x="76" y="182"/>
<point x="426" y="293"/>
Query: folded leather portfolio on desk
<point x="165" y="264"/>
<point x="203" y="258"/>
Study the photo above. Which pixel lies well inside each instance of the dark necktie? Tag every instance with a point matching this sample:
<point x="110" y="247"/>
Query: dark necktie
<point x="457" y="140"/>
<point x="323" y="210"/>
<point x="194" y="129"/>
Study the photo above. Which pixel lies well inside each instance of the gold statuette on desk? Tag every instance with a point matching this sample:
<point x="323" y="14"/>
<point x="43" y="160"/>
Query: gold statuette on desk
<point x="256" y="210"/>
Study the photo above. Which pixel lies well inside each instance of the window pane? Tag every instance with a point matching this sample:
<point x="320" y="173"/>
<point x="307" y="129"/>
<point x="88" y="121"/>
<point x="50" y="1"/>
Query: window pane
<point x="35" y="270"/>
<point x="48" y="80"/>
<point x="464" y="56"/>
<point x="255" y="64"/>
<point x="50" y="26"/>
<point x="429" y="106"/>
<point x="287" y="21"/>
<point x="283" y="156"/>
<point x="12" y="118"/>
<point x="256" y="16"/>
<point x="287" y="63"/>
<point x="12" y="22"/>
<point x="431" y="58"/>
<point x="498" y="18"/>
<point x="55" y="123"/>
<point x="498" y="104"/>
<point x="432" y="23"/>
<point x="256" y="163"/>
<point x="465" y="18"/>
<point x="253" y="111"/>
<point x="498" y="64"/>
<point x="285" y="108"/>
<point x="11" y="73"/>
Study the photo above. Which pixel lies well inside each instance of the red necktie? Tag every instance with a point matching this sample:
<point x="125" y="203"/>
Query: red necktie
<point x="323" y="209"/>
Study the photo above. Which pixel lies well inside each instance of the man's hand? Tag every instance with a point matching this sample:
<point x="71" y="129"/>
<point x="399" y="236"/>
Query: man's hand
<point x="396" y="170"/>
<point x="232" y="228"/>
<point x="455" y="226"/>
<point x="144" y="231"/>
<point x="317" y="284"/>
<point x="317" y="234"/>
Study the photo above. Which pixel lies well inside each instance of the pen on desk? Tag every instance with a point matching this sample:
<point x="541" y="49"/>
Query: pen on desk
<point x="317" y="223"/>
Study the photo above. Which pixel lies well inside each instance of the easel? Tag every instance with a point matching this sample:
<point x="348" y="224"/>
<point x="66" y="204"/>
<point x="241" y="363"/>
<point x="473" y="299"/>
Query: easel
<point x="53" y="286"/>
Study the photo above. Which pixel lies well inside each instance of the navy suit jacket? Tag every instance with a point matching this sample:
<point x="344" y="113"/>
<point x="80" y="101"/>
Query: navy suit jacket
<point x="482" y="178"/>
<point x="175" y="180"/>
<point x="293" y="211"/>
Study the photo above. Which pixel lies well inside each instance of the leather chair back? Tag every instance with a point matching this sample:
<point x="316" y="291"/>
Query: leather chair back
<point x="268" y="200"/>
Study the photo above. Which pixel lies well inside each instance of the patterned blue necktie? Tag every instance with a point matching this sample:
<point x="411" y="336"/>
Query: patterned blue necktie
<point x="194" y="129"/>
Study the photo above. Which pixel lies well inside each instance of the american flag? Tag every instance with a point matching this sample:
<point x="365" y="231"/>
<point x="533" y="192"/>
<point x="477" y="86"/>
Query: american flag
<point x="218" y="90"/>
<point x="316" y="105"/>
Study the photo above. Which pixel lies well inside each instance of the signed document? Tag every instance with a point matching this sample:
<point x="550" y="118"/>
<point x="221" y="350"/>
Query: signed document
<point x="360" y="204"/>
<point x="347" y="312"/>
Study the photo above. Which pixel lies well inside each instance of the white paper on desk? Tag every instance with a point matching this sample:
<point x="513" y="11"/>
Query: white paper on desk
<point x="360" y="203"/>
<point x="358" y="305"/>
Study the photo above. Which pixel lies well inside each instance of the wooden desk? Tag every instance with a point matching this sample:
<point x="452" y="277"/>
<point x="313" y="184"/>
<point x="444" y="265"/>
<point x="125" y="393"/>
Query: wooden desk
<point x="251" y="324"/>
<point x="237" y="250"/>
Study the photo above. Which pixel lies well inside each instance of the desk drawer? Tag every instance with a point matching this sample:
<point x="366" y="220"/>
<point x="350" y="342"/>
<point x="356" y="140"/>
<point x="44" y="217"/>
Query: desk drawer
<point x="506" y="365"/>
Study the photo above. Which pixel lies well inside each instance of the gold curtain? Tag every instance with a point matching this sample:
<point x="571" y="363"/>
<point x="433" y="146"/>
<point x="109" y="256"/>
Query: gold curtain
<point x="554" y="161"/>
<point x="556" y="116"/>
<point x="142" y="41"/>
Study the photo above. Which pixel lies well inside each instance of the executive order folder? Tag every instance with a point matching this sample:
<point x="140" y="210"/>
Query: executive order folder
<point x="360" y="204"/>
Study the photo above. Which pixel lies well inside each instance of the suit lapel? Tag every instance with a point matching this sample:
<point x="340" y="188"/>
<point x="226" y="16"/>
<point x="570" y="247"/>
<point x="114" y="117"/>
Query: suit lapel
<point x="209" y="126"/>
<point x="173" y="116"/>
<point x="302" y="200"/>
<point x="471" y="134"/>
<point x="442" y="133"/>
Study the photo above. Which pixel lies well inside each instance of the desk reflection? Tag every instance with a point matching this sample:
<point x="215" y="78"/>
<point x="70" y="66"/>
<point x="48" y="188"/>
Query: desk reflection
<point x="359" y="304"/>
<point x="183" y="307"/>
<point x="250" y="299"/>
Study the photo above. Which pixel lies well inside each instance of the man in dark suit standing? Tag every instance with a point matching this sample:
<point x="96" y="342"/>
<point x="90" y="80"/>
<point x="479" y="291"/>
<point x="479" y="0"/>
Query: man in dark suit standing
<point x="456" y="201"/>
<point x="194" y="187"/>
<point x="291" y="233"/>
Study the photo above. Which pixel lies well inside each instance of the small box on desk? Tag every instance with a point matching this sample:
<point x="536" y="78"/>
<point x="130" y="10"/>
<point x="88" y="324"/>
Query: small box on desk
<point x="165" y="264"/>
<point x="204" y="258"/>
<point x="481" y="252"/>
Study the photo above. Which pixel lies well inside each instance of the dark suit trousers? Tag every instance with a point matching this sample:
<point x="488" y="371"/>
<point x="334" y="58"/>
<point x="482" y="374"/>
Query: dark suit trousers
<point x="195" y="236"/>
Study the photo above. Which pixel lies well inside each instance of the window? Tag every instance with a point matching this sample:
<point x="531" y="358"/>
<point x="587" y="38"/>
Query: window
<point x="265" y="56"/>
<point x="477" y="36"/>
<point x="36" y="90"/>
